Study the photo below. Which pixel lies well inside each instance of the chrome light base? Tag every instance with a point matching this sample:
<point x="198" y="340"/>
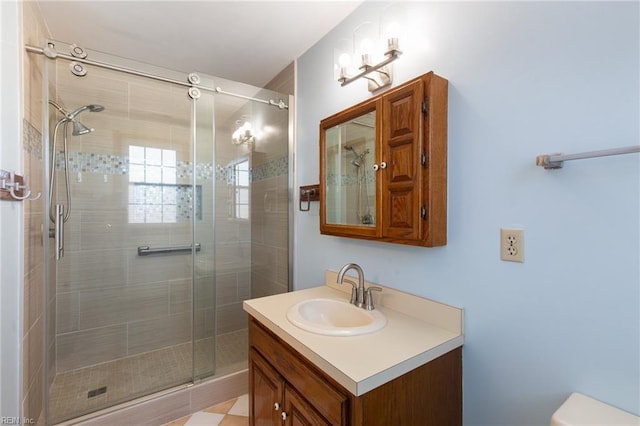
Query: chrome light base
<point x="382" y="77"/>
<point x="379" y="75"/>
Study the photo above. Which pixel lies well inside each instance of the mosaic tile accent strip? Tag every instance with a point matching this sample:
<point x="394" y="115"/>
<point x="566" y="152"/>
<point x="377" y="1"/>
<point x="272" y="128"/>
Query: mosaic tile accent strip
<point x="31" y="140"/>
<point x="270" y="169"/>
<point x="119" y="165"/>
<point x="94" y="163"/>
<point x="350" y="179"/>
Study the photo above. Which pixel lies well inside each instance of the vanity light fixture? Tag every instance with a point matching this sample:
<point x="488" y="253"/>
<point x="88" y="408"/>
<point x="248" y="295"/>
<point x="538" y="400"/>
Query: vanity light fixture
<point x="379" y="75"/>
<point x="243" y="134"/>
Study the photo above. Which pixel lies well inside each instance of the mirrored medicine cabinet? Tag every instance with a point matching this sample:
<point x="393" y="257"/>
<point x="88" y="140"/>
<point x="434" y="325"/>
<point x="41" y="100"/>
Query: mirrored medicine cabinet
<point x="383" y="166"/>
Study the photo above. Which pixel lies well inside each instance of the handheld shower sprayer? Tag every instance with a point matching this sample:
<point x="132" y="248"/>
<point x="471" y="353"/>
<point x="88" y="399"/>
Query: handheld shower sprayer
<point x="78" y="127"/>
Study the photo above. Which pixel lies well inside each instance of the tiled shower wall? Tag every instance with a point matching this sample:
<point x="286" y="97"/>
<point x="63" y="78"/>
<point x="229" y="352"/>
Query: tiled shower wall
<point x="270" y="202"/>
<point x="33" y="322"/>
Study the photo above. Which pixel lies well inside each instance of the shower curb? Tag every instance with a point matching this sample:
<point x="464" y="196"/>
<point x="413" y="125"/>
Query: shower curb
<point x="169" y="405"/>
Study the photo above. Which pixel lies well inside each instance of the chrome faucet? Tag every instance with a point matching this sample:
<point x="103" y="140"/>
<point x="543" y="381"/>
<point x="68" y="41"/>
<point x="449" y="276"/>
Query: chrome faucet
<point x="358" y="291"/>
<point x="360" y="296"/>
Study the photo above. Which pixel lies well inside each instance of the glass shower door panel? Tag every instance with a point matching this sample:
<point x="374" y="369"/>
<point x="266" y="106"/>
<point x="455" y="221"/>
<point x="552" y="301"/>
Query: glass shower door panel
<point x="250" y="168"/>
<point x="204" y="284"/>
<point x="124" y="317"/>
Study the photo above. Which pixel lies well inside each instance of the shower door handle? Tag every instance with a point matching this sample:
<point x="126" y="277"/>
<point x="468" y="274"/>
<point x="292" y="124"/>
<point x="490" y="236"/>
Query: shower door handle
<point x="59" y="231"/>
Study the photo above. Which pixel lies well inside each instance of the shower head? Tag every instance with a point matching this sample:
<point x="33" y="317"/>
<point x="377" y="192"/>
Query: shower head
<point x="352" y="149"/>
<point x="80" y="129"/>
<point x="74" y="114"/>
<point x="355" y="162"/>
<point x="359" y="157"/>
<point x="91" y="108"/>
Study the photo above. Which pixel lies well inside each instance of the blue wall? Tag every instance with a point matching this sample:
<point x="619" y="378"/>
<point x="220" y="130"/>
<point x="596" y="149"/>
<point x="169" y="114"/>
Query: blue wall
<point x="524" y="79"/>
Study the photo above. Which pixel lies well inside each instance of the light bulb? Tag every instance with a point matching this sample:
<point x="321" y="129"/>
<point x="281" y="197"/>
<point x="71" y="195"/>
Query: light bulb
<point x="393" y="30"/>
<point x="344" y="60"/>
<point x="366" y="46"/>
<point x="392" y="35"/>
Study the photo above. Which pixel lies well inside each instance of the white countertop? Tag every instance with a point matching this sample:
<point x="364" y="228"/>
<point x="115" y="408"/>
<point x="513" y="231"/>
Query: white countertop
<point x="423" y="331"/>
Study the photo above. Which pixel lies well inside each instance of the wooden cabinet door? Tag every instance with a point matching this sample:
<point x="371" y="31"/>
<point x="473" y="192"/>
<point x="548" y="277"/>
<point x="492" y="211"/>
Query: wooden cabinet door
<point x="266" y="392"/>
<point x="299" y="412"/>
<point x="401" y="166"/>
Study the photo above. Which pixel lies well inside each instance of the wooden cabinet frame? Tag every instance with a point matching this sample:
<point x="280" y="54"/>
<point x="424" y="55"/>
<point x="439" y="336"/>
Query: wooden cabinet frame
<point x="411" y="151"/>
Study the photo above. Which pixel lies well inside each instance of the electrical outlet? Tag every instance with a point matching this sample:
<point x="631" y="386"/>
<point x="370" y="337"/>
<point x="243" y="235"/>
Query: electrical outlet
<point x="512" y="244"/>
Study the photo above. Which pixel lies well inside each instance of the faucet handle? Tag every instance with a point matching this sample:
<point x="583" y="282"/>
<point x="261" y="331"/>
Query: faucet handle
<point x="368" y="298"/>
<point x="354" y="291"/>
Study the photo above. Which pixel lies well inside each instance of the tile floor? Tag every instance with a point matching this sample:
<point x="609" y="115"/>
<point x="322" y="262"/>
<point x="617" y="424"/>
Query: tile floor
<point x="230" y="413"/>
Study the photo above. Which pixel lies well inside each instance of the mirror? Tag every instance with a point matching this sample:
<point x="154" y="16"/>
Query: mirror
<point x="349" y="148"/>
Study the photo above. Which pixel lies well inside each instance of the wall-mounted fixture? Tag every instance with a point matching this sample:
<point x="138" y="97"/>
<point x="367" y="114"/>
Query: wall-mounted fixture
<point x="308" y="194"/>
<point x="243" y="134"/>
<point x="556" y="161"/>
<point x="13" y="188"/>
<point x="363" y="48"/>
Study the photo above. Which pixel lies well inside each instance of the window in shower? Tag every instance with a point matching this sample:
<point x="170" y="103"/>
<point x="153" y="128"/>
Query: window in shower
<point x="239" y="190"/>
<point x="154" y="195"/>
<point x="150" y="201"/>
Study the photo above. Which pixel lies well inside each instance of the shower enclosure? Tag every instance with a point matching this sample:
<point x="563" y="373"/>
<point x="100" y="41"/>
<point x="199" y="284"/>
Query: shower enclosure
<point x="177" y="206"/>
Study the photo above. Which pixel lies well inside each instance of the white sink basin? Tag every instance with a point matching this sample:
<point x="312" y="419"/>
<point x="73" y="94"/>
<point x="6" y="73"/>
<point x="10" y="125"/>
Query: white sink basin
<point x="333" y="317"/>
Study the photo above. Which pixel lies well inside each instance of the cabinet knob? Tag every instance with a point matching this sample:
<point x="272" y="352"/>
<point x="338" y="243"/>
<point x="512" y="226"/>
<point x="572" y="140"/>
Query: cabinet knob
<point x="276" y="406"/>
<point x="383" y="165"/>
<point x="284" y="415"/>
<point x="375" y="167"/>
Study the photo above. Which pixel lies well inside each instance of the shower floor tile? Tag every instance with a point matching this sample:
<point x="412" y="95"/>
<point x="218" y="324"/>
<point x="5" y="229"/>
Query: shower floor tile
<point x="140" y="375"/>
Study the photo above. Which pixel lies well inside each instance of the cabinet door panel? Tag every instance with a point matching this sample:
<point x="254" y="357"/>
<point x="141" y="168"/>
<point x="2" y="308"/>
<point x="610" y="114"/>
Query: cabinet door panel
<point x="266" y="391"/>
<point x="300" y="412"/>
<point x="400" y="216"/>
<point x="299" y="374"/>
<point x="401" y="183"/>
<point x="401" y="167"/>
<point x="348" y="184"/>
<point x="401" y="117"/>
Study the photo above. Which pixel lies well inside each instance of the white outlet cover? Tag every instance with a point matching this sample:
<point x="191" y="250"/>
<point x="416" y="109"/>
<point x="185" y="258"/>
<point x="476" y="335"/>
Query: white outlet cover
<point x="512" y="244"/>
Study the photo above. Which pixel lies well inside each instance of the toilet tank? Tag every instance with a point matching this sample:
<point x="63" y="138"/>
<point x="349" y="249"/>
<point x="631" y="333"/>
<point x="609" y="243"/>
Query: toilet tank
<point x="581" y="410"/>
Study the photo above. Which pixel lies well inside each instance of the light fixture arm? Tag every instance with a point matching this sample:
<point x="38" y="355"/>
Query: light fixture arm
<point x="384" y="71"/>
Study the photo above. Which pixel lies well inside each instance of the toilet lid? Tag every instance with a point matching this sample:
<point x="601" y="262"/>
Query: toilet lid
<point x="579" y="410"/>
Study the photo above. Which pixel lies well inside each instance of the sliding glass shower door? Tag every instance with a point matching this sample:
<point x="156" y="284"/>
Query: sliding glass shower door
<point x="125" y="316"/>
<point x="177" y="206"/>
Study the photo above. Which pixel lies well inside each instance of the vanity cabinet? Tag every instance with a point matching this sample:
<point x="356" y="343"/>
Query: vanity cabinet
<point x="277" y="380"/>
<point x="287" y="389"/>
<point x="383" y="166"/>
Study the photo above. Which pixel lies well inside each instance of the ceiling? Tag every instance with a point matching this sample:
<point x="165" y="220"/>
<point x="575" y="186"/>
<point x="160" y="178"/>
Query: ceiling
<point x="245" y="41"/>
